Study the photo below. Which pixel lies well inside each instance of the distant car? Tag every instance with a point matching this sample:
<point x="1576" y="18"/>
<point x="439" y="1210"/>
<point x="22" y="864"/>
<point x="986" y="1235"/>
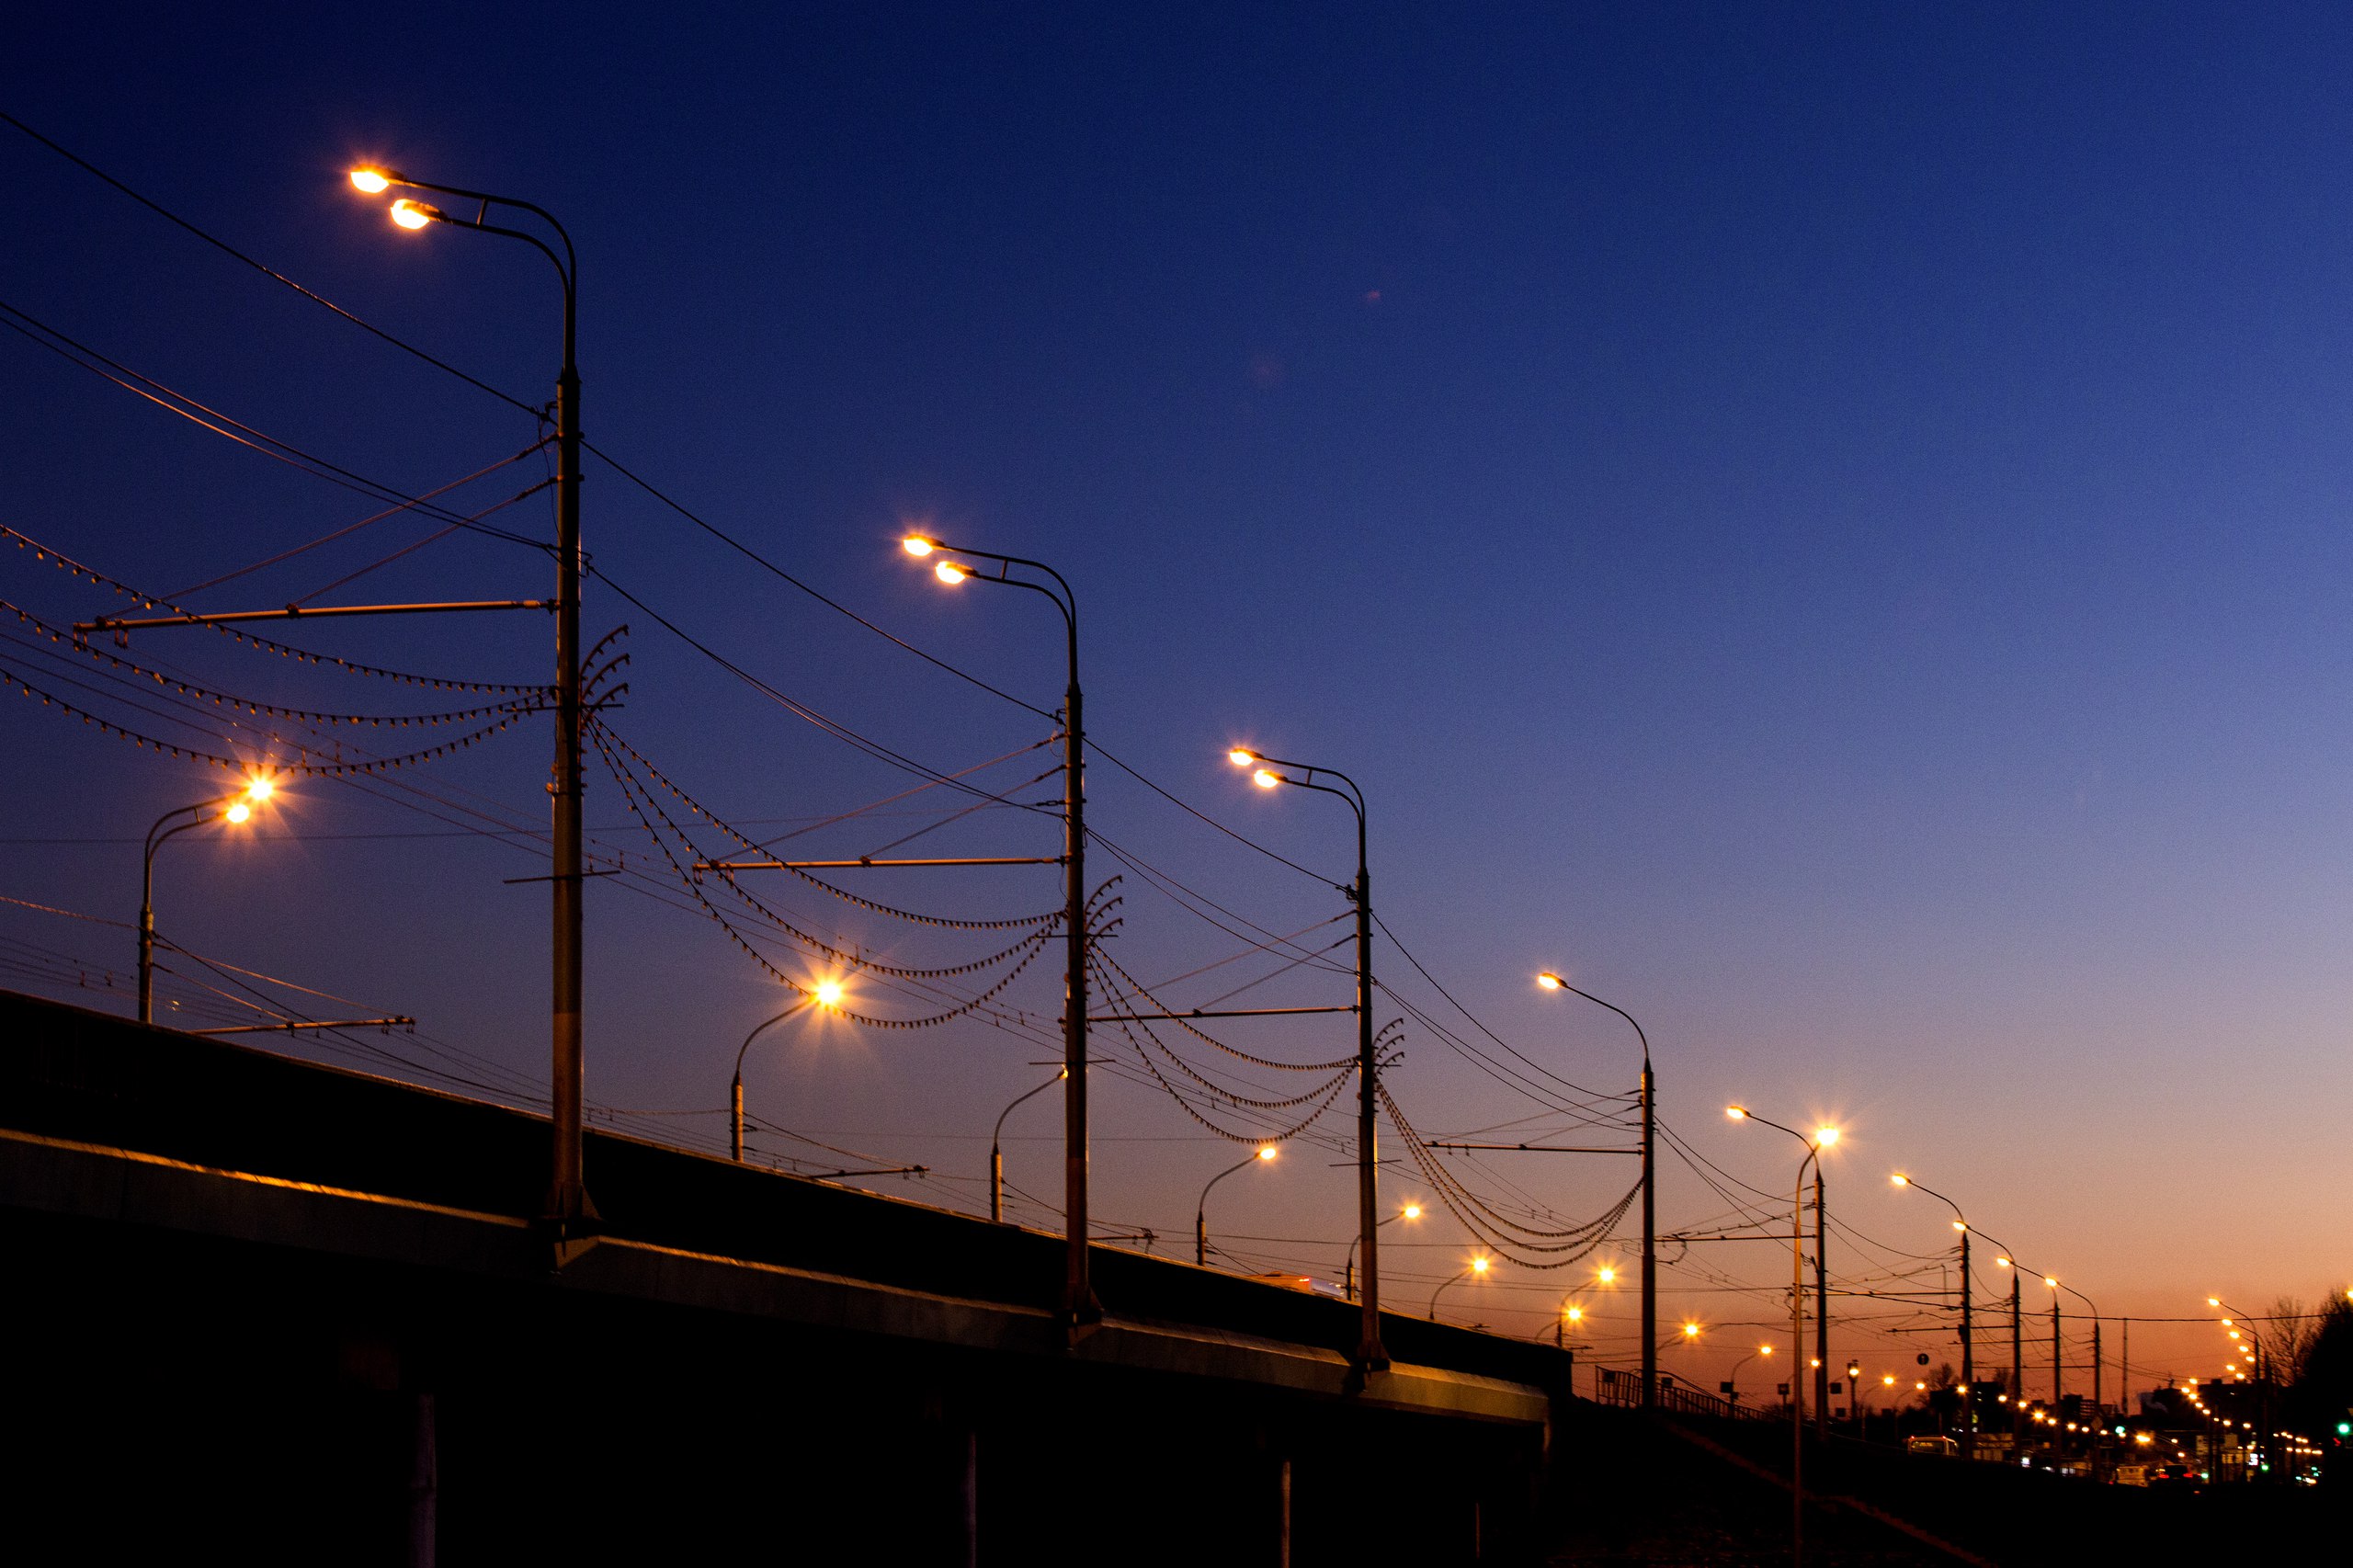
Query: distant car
<point x="1943" y="1447"/>
<point x="2172" y="1474"/>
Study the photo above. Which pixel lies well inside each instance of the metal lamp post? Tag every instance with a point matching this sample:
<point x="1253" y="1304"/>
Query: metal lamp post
<point x="1202" y="1208"/>
<point x="568" y="1208"/>
<point x="1079" y="1307"/>
<point x="1348" y="1266"/>
<point x="1551" y="982"/>
<point x="1478" y="1267"/>
<point x="1967" y="1342"/>
<point x="996" y="1151"/>
<point x="234" y="809"/>
<point x="1823" y="1138"/>
<point x="1371" y="1355"/>
<point x="825" y="995"/>
<point x="2262" y="1388"/>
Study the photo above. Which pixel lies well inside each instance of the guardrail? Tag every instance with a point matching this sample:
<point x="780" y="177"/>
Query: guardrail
<point x="1611" y="1386"/>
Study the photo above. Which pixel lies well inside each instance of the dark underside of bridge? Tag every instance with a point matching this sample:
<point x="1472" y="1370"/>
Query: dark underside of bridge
<point x="263" y="1311"/>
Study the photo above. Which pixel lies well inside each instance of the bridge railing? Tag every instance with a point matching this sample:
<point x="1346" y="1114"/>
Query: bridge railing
<point x="1612" y="1386"/>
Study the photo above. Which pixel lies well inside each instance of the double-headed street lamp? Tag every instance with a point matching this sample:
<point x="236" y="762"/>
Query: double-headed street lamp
<point x="236" y="810"/>
<point x="1968" y="1344"/>
<point x="1079" y="1306"/>
<point x="1475" y="1269"/>
<point x="1265" y="773"/>
<point x="1202" y="1208"/>
<point x="1823" y="1138"/>
<point x="567" y="1206"/>
<point x="828" y="993"/>
<point x="1551" y="982"/>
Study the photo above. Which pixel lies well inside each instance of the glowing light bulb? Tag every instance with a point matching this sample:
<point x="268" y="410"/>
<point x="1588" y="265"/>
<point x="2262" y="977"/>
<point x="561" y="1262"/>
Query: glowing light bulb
<point x="369" y="180"/>
<point x="414" y="214"/>
<point x="915" y="544"/>
<point x="1241" y="757"/>
<point x="1550" y="980"/>
<point x="1268" y="1152"/>
<point x="829" y="993"/>
<point x="1265" y="779"/>
<point x="1900" y="1179"/>
<point x="1736" y="1113"/>
<point x="1478" y="1265"/>
<point x="1608" y="1276"/>
<point x="1825" y="1136"/>
<point x="1413" y="1211"/>
<point x="259" y="788"/>
<point x="238" y="812"/>
<point x="949" y="573"/>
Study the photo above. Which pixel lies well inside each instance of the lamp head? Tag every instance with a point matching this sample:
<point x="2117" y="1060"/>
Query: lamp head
<point x="1736" y="1112"/>
<point x="1268" y="1152"/>
<point x="1550" y="980"/>
<point x="915" y="544"/>
<point x="1825" y="1136"/>
<point x="1607" y="1274"/>
<point x="374" y="182"/>
<point x="2217" y="1300"/>
<point x="238" y="811"/>
<point x="1266" y="778"/>
<point x="2050" y="1281"/>
<point x="1242" y="757"/>
<point x="828" y="992"/>
<point x="411" y="214"/>
<point x="1413" y="1211"/>
<point x="1764" y="1350"/>
<point x="1690" y="1331"/>
<point x="1478" y="1265"/>
<point x="1574" y="1314"/>
<point x="1900" y="1179"/>
<point x="2005" y="1263"/>
<point x="259" y="788"/>
<point x="951" y="572"/>
<point x="1960" y="1225"/>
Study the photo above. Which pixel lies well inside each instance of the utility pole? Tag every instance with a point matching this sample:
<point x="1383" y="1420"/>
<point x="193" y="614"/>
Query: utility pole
<point x="2017" y="1359"/>
<point x="1650" y="1231"/>
<point x="1967" y="1351"/>
<point x="1821" y="1315"/>
<point x="2057" y="1375"/>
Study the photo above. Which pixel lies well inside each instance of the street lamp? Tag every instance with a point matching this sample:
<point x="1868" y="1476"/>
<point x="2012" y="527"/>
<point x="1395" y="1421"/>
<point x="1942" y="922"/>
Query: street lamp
<point x="1348" y="1270"/>
<point x="235" y="810"/>
<point x="1732" y="1382"/>
<point x="1551" y="982"/>
<point x="828" y="993"/>
<point x="1267" y="774"/>
<point x="568" y="1207"/>
<point x="1478" y="1267"/>
<point x="1201" y="1209"/>
<point x="1078" y="1293"/>
<point x="1571" y="1316"/>
<point x="1823" y="1138"/>
<point x="997" y="1152"/>
<point x="1968" y="1343"/>
<point x="2262" y="1387"/>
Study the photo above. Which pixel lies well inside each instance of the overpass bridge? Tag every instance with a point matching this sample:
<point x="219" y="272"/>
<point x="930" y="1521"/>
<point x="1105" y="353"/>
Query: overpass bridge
<point x="286" y="1311"/>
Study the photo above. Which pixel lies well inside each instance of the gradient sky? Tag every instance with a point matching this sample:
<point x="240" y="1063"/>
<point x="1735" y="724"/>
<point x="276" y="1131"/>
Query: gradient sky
<point x="1824" y="526"/>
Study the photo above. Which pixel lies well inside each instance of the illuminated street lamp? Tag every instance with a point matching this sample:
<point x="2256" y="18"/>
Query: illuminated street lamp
<point x="1732" y="1382"/>
<point x="2265" y="1370"/>
<point x="1349" y="1268"/>
<point x="568" y="1209"/>
<point x="1823" y="1138"/>
<point x="1078" y="1292"/>
<point x="997" y="1152"/>
<point x="235" y="810"/>
<point x="1201" y="1209"/>
<point x="1551" y="982"/>
<point x="1267" y="774"/>
<point x="828" y="993"/>
<point x="1968" y="1340"/>
<point x="1477" y="1269"/>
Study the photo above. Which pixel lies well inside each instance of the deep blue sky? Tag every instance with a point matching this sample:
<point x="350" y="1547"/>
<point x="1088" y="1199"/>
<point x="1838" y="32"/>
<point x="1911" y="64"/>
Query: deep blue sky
<point x="1823" y="524"/>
